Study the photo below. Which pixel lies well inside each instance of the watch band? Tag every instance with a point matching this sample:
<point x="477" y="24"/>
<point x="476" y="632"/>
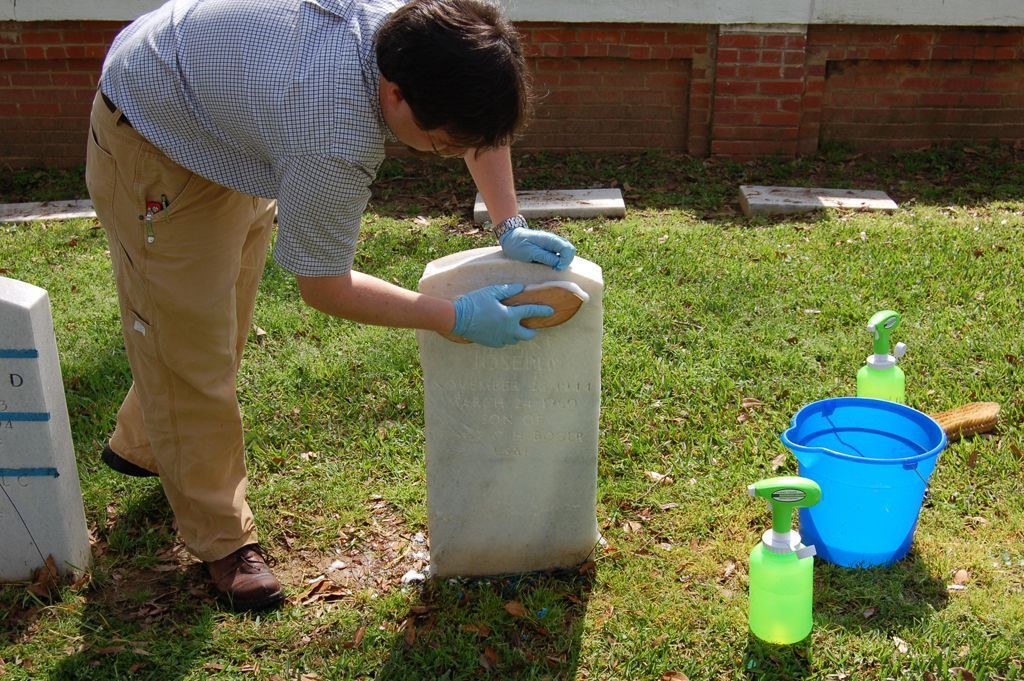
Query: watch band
<point x="507" y="225"/>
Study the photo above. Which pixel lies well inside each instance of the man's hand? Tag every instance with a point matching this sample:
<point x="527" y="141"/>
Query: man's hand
<point x="480" y="316"/>
<point x="531" y="245"/>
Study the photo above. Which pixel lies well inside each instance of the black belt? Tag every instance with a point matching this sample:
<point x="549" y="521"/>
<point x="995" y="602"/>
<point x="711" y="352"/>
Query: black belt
<point x="113" y="108"/>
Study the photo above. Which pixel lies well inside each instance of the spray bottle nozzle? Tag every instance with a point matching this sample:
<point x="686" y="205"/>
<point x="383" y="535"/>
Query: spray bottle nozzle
<point x="784" y="494"/>
<point x="881" y="326"/>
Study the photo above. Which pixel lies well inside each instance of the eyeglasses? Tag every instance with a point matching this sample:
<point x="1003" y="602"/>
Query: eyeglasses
<point x="446" y="151"/>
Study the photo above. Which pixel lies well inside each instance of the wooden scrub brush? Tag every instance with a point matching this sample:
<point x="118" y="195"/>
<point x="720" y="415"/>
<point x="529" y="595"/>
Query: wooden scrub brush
<point x="968" y="419"/>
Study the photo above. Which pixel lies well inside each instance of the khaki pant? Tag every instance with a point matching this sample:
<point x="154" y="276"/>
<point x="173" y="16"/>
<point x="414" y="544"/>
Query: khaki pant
<point x="186" y="283"/>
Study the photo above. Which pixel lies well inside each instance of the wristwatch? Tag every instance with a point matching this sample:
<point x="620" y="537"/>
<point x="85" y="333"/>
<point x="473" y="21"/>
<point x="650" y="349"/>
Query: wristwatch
<point x="507" y="225"/>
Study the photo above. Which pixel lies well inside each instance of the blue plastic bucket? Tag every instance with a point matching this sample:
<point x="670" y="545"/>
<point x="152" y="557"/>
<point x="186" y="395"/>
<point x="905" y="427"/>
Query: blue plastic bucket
<point x="872" y="459"/>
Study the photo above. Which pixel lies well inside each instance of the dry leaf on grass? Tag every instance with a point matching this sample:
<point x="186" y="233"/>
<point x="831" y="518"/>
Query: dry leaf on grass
<point x="45" y="579"/>
<point x="515" y="608"/>
<point x="632" y="527"/>
<point x="674" y="676"/>
<point x="659" y="478"/>
<point x="357" y="639"/>
<point x="481" y="630"/>
<point x="489" y="659"/>
<point x="410" y="631"/>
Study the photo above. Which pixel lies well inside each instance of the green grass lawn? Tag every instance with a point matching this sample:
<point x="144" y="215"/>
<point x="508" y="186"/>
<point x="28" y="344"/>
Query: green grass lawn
<point x="717" y="329"/>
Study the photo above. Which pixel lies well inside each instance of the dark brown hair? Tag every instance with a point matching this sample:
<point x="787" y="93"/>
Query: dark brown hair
<point x="460" y="66"/>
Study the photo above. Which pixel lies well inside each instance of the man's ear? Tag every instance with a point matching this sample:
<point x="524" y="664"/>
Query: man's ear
<point x="390" y="92"/>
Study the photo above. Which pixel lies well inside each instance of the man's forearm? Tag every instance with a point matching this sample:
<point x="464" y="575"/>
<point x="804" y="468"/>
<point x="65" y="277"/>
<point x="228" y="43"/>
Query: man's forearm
<point x="492" y="174"/>
<point x="369" y="300"/>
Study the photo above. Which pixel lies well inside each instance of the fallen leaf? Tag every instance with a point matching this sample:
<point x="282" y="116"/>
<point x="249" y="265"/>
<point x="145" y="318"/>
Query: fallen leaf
<point x="410" y="631"/>
<point x="961" y="576"/>
<point x="869" y="613"/>
<point x="489" y="658"/>
<point x="421" y="221"/>
<point x="631" y="527"/>
<point x="556" y="660"/>
<point x="481" y="630"/>
<point x="669" y="506"/>
<point x="674" y="676"/>
<point x="778" y="462"/>
<point x="901" y="645"/>
<point x="751" y="403"/>
<point x="972" y="460"/>
<point x="965" y="674"/>
<point x="659" y="478"/>
<point x="45" y="579"/>
<point x="515" y="608"/>
<point x="357" y="639"/>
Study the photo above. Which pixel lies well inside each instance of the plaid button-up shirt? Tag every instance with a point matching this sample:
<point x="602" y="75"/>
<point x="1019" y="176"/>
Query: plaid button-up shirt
<point x="275" y="98"/>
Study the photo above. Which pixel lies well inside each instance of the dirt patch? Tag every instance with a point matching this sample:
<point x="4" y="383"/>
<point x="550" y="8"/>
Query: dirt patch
<point x="373" y="558"/>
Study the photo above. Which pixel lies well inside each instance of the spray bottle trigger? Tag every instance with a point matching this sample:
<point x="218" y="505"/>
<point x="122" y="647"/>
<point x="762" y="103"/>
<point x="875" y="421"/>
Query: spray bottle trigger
<point x="806" y="551"/>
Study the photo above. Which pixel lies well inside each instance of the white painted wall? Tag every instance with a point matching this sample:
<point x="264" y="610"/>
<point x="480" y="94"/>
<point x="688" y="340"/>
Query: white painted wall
<point x="898" y="12"/>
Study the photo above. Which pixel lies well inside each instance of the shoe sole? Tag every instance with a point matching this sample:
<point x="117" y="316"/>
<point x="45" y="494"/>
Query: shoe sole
<point x="272" y="601"/>
<point x="123" y="466"/>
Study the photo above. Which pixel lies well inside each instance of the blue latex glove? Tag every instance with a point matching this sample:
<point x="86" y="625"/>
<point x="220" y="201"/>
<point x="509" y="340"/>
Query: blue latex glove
<point x="531" y="245"/>
<point x="481" y="318"/>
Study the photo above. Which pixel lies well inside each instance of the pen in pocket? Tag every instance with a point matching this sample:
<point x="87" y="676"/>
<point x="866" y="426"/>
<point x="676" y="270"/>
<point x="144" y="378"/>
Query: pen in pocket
<point x="152" y="208"/>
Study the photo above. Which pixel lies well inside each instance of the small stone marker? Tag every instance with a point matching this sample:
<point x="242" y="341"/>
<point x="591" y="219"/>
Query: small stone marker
<point x="512" y="432"/>
<point x="565" y="203"/>
<point x="41" y="510"/>
<point x="767" y="200"/>
<point x="46" y="210"/>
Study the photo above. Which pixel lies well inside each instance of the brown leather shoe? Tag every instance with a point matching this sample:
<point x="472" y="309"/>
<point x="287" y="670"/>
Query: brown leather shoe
<point x="243" y="581"/>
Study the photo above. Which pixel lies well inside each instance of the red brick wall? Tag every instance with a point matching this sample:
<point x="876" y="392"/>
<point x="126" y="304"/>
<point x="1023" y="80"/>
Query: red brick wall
<point x="881" y="89"/>
<point x="48" y="76"/>
<point x="619" y="87"/>
<point x="759" y="88"/>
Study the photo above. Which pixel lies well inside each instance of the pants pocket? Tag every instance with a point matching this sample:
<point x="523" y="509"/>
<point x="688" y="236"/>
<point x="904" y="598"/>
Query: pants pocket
<point x="100" y="175"/>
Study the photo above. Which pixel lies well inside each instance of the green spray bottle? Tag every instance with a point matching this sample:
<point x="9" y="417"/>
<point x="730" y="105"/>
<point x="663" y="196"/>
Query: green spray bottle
<point x="880" y="377"/>
<point x="781" y="567"/>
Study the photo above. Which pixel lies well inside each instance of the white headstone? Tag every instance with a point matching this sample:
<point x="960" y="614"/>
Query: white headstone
<point x="41" y="511"/>
<point x="512" y="433"/>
